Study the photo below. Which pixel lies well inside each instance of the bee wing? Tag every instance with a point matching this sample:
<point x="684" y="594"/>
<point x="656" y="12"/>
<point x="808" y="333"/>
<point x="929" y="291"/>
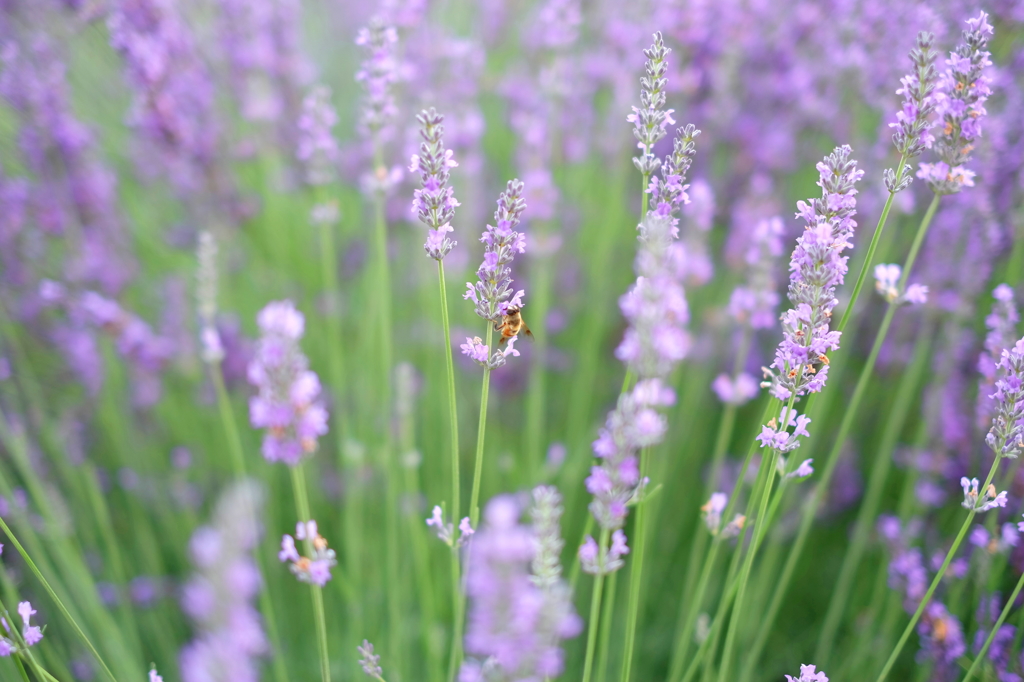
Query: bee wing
<point x="526" y="330"/>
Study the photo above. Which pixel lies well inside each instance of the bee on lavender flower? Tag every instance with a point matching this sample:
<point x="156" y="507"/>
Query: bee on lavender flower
<point x="511" y="324"/>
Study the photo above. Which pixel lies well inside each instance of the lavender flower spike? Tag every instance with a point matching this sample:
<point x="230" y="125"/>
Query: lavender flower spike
<point x="515" y="626"/>
<point x="960" y="105"/>
<point x="434" y="204"/>
<point x="287" y="404"/>
<point x="1002" y="332"/>
<point x="315" y="569"/>
<point x="913" y="121"/>
<point x="650" y="120"/>
<point x="808" y="674"/>
<point x="492" y="293"/>
<point x="154" y="677"/>
<point x="317" y="148"/>
<point x="370" y="661"/>
<point x="32" y="634"/>
<point x="219" y="596"/>
<point x="377" y="74"/>
<point x="817" y="269"/>
<point x="1006" y="437"/>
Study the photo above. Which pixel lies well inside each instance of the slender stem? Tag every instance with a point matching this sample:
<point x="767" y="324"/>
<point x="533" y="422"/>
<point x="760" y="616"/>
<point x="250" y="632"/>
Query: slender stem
<point x="53" y="595"/>
<point x="636" y="572"/>
<point x="302" y="507"/>
<point x="759" y="528"/>
<point x="870" y="256"/>
<point x="458" y="617"/>
<point x="595" y="609"/>
<point x="811" y="508"/>
<point x="873" y="496"/>
<point x="606" y="629"/>
<point x="574" y="569"/>
<point x="938" y="576"/>
<point x="645" y="197"/>
<point x="474" y="500"/>
<point x="453" y="415"/>
<point x="685" y="628"/>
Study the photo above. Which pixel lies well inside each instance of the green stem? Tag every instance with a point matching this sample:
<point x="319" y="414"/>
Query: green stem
<point x="302" y="508"/>
<point x="453" y="415"/>
<point x="53" y="595"/>
<point x="879" y="228"/>
<point x="474" y="500"/>
<point x="759" y="528"/>
<point x="872" y="498"/>
<point x="938" y="576"/>
<point x="231" y="433"/>
<point x="636" y="572"/>
<point x="607" y="622"/>
<point x="820" y="491"/>
<point x="595" y="608"/>
<point x="458" y="617"/>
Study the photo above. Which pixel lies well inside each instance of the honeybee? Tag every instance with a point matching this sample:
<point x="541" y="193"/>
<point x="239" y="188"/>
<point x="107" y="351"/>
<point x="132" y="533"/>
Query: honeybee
<point x="511" y="324"/>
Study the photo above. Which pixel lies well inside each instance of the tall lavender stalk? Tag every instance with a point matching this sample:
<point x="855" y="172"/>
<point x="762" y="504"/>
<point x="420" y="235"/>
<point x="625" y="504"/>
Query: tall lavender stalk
<point x="492" y="298"/>
<point x="287" y="405"/>
<point x="434" y="204"/>
<point x="817" y="269"/>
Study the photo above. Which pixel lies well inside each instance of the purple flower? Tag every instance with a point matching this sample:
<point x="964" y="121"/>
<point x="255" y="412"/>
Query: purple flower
<point x="942" y="637"/>
<point x="369" y="661"/>
<point x="317" y="149"/>
<point x="808" y="674"/>
<point x="219" y="595"/>
<point x="515" y="621"/>
<point x="492" y="293"/>
<point x="153" y="677"/>
<point x="446" y="531"/>
<point x="712" y="511"/>
<point x="286" y="403"/>
<point x="816" y="269"/>
<point x="316" y="568"/>
<point x="737" y="392"/>
<point x="378" y="73"/>
<point x="634" y="423"/>
<point x="651" y="120"/>
<point x="434" y="203"/>
<point x="1002" y="333"/>
<point x="754" y="302"/>
<point x="959" y="103"/>
<point x="913" y="121"/>
<point x="981" y="503"/>
<point x="1006" y="437"/>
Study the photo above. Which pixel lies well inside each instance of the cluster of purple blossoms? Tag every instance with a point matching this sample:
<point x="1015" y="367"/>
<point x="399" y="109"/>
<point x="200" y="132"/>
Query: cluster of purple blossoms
<point x="808" y="673"/>
<point x="887" y="280"/>
<point x="817" y="267"/>
<point x="316" y="568"/>
<point x="753" y="303"/>
<point x="656" y="306"/>
<point x="1002" y="333"/>
<point x="981" y="501"/>
<point x="30" y="634"/>
<point x="475" y="349"/>
<point x="434" y="203"/>
<point x="1006" y="540"/>
<point x="154" y="677"/>
<point x="650" y="121"/>
<point x="446" y="531"/>
<point x="173" y="106"/>
<point x="287" y="403"/>
<point x="218" y="597"/>
<point x="942" y="636"/>
<point x="370" y="661"/>
<point x="669" y="194"/>
<point x="1006" y="437"/>
<point x="516" y="619"/>
<point x="616" y="483"/>
<point x="959" y="103"/>
<point x="735" y="391"/>
<point x="317" y="149"/>
<point x="913" y="121"/>
<point x="711" y="512"/>
<point x="776" y="434"/>
<point x="377" y="74"/>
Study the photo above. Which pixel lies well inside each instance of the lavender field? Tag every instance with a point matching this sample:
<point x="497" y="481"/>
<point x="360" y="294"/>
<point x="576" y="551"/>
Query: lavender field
<point x="511" y="341"/>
